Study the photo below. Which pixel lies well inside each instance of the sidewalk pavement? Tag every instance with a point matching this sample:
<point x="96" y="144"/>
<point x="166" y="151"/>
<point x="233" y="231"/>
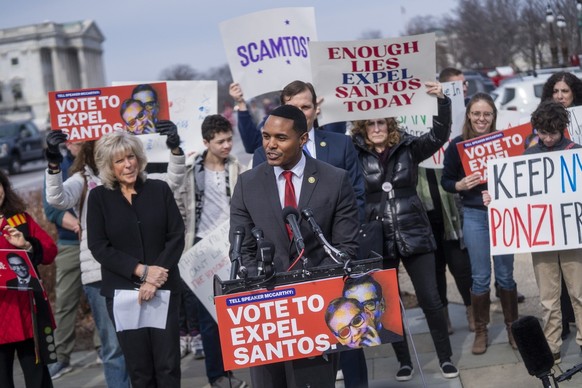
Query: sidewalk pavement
<point x="500" y="366"/>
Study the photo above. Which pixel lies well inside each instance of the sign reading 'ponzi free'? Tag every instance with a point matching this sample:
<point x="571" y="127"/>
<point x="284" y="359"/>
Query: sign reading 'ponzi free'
<point x="536" y="204"/>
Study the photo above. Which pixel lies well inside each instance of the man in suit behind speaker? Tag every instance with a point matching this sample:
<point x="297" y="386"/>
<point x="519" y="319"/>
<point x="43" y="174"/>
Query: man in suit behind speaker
<point x="258" y="200"/>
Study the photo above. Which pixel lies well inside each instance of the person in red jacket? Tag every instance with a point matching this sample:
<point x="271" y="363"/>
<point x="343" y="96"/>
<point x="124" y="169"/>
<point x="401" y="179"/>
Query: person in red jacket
<point x="20" y="231"/>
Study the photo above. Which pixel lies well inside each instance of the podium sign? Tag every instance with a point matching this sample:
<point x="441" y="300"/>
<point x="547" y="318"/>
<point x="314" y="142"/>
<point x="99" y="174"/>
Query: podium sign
<point x="294" y="321"/>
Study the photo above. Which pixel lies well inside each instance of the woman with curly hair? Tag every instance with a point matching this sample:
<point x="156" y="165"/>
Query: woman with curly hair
<point x="389" y="159"/>
<point x="563" y="87"/>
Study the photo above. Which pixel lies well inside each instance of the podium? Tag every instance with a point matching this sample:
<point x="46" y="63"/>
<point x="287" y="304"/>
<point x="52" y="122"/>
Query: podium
<point x="225" y="287"/>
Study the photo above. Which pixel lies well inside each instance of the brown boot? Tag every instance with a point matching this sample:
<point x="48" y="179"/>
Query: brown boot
<point x="508" y="300"/>
<point x="449" y="326"/>
<point x="470" y="318"/>
<point x="480" y="304"/>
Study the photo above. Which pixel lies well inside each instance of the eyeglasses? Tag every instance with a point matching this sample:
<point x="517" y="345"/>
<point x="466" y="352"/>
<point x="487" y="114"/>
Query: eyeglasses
<point x="370" y="304"/>
<point x="486" y="115"/>
<point x="150" y="105"/>
<point x="18" y="266"/>
<point x="357" y="321"/>
<point x="139" y="116"/>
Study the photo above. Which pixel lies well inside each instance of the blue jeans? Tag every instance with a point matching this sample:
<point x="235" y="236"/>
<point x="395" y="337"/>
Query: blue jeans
<point x="211" y="344"/>
<point x="476" y="235"/>
<point x="111" y="354"/>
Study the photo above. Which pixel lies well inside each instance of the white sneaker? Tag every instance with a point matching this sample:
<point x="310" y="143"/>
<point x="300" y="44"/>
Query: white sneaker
<point x="184" y="345"/>
<point x="196" y="347"/>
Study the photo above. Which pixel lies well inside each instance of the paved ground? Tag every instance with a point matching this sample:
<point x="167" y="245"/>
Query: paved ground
<point x="500" y="366"/>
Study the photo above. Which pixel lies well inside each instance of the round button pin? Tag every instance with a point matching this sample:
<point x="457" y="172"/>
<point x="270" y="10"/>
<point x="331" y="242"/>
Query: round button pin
<point x="387" y="186"/>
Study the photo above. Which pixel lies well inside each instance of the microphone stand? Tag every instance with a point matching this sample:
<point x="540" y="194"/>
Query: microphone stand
<point x="567" y="375"/>
<point x="236" y="268"/>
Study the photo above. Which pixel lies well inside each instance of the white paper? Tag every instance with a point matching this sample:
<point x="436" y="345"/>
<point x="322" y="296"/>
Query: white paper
<point x="130" y="315"/>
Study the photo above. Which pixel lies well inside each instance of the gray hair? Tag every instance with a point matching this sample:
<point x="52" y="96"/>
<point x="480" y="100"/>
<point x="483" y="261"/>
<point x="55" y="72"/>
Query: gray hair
<point x="112" y="145"/>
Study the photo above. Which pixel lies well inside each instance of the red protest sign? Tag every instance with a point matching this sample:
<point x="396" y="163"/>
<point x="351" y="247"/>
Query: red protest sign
<point x="87" y="114"/>
<point x="308" y="319"/>
<point x="17" y="272"/>
<point x="475" y="152"/>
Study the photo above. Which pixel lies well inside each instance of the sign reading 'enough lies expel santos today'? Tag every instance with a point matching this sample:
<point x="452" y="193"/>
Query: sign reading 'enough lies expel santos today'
<point x="368" y="79"/>
<point x="536" y="203"/>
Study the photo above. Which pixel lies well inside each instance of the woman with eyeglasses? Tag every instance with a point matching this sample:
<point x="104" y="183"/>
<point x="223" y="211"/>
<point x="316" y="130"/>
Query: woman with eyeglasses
<point x="389" y="158"/>
<point x="480" y="118"/>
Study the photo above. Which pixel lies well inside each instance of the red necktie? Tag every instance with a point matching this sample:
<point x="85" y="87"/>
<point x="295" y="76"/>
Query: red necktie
<point x="289" y="189"/>
<point x="289" y="195"/>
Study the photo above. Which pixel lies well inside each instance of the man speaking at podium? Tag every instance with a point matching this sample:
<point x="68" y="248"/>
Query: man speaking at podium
<point x="291" y="178"/>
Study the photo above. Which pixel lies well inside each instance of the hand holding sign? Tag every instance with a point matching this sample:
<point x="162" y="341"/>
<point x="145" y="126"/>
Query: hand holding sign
<point x="53" y="140"/>
<point x="168" y="128"/>
<point x="434" y="89"/>
<point x="468" y="182"/>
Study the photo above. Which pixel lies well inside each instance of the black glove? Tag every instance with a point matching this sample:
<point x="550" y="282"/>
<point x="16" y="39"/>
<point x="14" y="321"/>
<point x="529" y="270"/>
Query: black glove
<point x="168" y="128"/>
<point x="53" y="140"/>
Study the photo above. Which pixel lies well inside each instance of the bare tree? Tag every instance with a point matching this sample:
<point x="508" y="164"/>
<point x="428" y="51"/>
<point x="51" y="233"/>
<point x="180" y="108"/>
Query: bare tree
<point x="425" y="24"/>
<point x="180" y="72"/>
<point x="370" y="34"/>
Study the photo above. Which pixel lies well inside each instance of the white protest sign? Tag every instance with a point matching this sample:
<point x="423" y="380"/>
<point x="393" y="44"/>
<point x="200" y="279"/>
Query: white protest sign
<point x="207" y="258"/>
<point x="509" y="119"/>
<point x="267" y="50"/>
<point x="367" y="79"/>
<point x="190" y="102"/>
<point x="575" y="126"/>
<point x="536" y="203"/>
<point x="418" y="125"/>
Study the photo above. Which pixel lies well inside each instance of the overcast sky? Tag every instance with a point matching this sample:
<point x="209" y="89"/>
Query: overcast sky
<point x="143" y="37"/>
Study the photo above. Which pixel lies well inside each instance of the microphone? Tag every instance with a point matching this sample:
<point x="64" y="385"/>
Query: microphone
<point x="266" y="254"/>
<point x="236" y="258"/>
<point x="258" y="235"/>
<point x="533" y="347"/>
<point x="335" y="254"/>
<point x="291" y="216"/>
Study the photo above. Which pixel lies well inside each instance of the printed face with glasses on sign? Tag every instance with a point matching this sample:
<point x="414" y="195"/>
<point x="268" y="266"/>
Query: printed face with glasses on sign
<point x="136" y="118"/>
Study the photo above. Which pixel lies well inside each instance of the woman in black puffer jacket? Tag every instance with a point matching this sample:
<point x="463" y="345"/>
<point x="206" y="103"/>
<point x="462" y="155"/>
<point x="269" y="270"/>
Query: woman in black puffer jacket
<point x="407" y="231"/>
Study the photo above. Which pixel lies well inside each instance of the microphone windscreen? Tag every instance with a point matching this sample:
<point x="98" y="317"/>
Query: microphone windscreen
<point x="532" y="346"/>
<point x="290" y="210"/>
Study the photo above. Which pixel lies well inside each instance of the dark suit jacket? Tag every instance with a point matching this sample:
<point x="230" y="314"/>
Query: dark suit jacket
<point x="325" y="189"/>
<point x="33" y="283"/>
<point x="337" y="150"/>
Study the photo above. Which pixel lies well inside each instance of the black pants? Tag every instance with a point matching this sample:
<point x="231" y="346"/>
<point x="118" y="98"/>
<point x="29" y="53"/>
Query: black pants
<point x="449" y="253"/>
<point x="35" y="375"/>
<point x="353" y="365"/>
<point x="421" y="269"/>
<point x="152" y="355"/>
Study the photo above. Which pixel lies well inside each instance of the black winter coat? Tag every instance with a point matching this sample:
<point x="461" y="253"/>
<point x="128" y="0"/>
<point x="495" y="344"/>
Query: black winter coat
<point x="406" y="227"/>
